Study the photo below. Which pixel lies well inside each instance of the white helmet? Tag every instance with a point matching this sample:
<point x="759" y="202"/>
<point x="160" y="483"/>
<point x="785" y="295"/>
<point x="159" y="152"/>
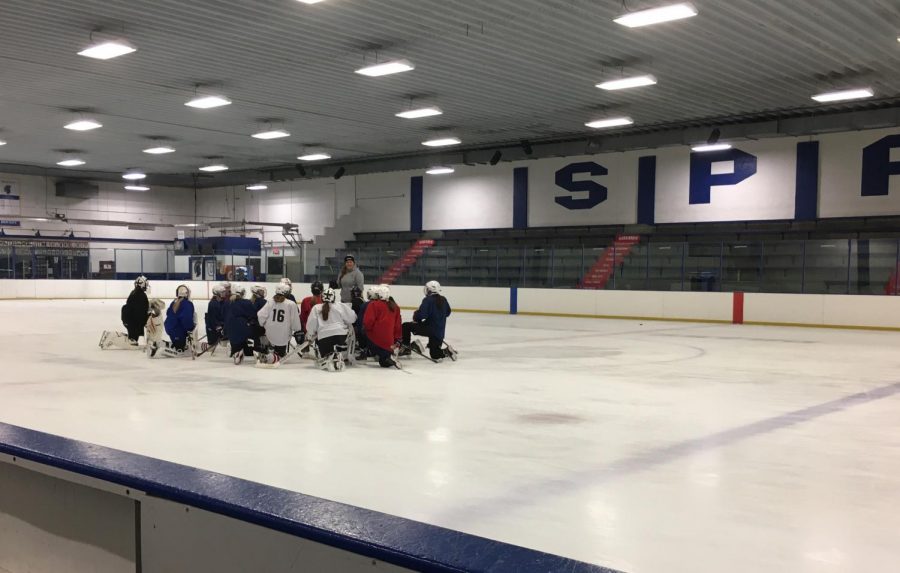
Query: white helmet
<point x="218" y="290"/>
<point x="239" y="290"/>
<point x="370" y="292"/>
<point x="141" y="282"/>
<point x="183" y="292"/>
<point x="287" y="282"/>
<point x="328" y="295"/>
<point x="283" y="290"/>
<point x="384" y="291"/>
<point x="157" y="306"/>
<point x="432" y="287"/>
<point x="226" y="285"/>
<point x="259" y="291"/>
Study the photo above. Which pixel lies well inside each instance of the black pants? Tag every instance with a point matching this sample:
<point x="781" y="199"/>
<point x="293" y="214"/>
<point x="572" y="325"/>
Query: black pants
<point x="179" y="343"/>
<point x="385" y="357"/>
<point x="134" y="331"/>
<point x="280" y="350"/>
<point x="326" y="345"/>
<point x="421" y="329"/>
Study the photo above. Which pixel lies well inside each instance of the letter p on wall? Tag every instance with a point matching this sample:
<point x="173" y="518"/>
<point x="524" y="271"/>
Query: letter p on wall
<point x="703" y="179"/>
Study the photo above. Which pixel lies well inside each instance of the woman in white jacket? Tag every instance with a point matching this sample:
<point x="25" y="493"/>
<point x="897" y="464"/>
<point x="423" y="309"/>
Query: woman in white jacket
<point x="329" y="323"/>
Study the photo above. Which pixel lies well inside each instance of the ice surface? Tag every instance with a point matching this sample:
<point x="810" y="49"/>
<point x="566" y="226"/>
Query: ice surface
<point x="654" y="447"/>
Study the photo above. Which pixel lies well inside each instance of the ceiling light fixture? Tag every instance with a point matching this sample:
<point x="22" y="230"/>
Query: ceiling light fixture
<point x="214" y="168"/>
<point x="440" y="170"/>
<point x="711" y="147"/>
<point x="340" y="172"/>
<point x="134" y="175"/>
<point x="311" y="1"/>
<point x="609" y="122"/>
<point x="72" y="162"/>
<point x="657" y="15"/>
<point x="442" y="142"/>
<point x="160" y="150"/>
<point x="271" y="134"/>
<point x="83" y="125"/>
<point x="386" y="68"/>
<point x="208" y="101"/>
<point x="627" y="83"/>
<point x="107" y="49"/>
<point x="844" y="95"/>
<point x="256" y="187"/>
<point x="136" y="188"/>
<point x="420" y="112"/>
<point x="314" y="157"/>
<point x="2" y="142"/>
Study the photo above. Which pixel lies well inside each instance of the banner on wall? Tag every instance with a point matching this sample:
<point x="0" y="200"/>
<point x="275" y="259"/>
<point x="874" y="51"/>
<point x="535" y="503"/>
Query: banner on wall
<point x="10" y="204"/>
<point x="860" y="174"/>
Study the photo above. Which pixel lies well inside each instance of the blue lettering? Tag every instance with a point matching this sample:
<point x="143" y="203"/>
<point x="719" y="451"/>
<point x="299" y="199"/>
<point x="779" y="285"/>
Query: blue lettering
<point x="877" y="166"/>
<point x="702" y="179"/>
<point x="596" y="192"/>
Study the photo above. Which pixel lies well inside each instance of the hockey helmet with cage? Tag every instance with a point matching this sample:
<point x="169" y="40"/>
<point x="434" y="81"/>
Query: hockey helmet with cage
<point x="283" y="290"/>
<point x="370" y="292"/>
<point x="356" y="292"/>
<point x="226" y="285"/>
<point x="384" y="292"/>
<point x="183" y="292"/>
<point x="432" y="287"/>
<point x="258" y="291"/>
<point x="142" y="283"/>
<point x="239" y="290"/>
<point x="287" y="281"/>
<point x="219" y="290"/>
<point x="157" y="306"/>
<point x="328" y="295"/>
<point x="316" y="288"/>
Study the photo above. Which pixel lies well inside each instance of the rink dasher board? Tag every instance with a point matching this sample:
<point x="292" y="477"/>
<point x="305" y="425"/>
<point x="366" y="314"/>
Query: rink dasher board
<point x="135" y="513"/>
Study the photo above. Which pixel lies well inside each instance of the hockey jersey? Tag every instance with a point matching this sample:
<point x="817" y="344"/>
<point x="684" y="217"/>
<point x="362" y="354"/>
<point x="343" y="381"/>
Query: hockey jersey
<point x="340" y="320"/>
<point x="381" y="324"/>
<point x="306" y="307"/>
<point x="281" y="320"/>
<point x="433" y="313"/>
<point x="179" y="323"/>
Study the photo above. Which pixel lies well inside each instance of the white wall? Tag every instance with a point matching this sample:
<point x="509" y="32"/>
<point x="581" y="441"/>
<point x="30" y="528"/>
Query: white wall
<point x="471" y="198"/>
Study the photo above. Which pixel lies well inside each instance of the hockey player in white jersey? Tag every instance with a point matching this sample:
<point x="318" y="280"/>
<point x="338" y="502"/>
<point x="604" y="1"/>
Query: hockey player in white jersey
<point x="281" y="319"/>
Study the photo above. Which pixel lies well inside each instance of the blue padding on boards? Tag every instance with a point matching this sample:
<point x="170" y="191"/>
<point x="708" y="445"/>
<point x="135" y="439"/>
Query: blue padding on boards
<point x="514" y="300"/>
<point x="391" y="539"/>
<point x="646" y="206"/>
<point x="520" y="198"/>
<point x="806" y="196"/>
<point x="415" y="204"/>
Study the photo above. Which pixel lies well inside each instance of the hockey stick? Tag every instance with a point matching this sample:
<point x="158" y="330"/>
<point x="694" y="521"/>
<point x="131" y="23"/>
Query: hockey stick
<point x="294" y="352"/>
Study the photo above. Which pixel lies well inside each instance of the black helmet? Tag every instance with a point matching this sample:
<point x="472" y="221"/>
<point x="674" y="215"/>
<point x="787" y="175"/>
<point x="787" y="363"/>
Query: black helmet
<point x="317" y="288"/>
<point x="356" y="292"/>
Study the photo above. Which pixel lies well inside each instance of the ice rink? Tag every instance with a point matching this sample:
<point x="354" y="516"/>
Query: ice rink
<point x="647" y="447"/>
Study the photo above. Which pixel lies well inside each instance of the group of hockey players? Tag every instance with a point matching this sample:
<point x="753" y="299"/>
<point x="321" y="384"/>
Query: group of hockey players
<point x="320" y="327"/>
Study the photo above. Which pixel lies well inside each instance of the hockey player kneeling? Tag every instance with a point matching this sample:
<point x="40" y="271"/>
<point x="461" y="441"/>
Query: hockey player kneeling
<point x="134" y="315"/>
<point x="154" y="328"/>
<point x="280" y="318"/>
<point x="240" y="324"/>
<point x="328" y="329"/>
<point x="381" y="324"/>
<point x="429" y="320"/>
<point x="181" y="322"/>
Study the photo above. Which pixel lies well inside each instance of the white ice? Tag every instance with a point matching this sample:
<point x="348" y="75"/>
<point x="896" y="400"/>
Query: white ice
<point x="654" y="447"/>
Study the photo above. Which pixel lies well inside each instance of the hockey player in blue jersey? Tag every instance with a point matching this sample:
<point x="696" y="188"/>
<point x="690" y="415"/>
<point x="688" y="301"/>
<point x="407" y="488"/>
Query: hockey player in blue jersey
<point x="215" y="315"/>
<point x="181" y="319"/>
<point x="431" y="321"/>
<point x="259" y="297"/>
<point x="241" y="325"/>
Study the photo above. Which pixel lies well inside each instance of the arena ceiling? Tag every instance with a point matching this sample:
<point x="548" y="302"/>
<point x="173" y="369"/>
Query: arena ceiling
<point x="502" y="71"/>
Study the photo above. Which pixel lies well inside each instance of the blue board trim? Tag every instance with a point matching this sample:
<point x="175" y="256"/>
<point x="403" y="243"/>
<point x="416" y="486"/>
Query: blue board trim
<point x="806" y="194"/>
<point x="377" y="535"/>
<point x="520" y="198"/>
<point x="415" y="204"/>
<point x="646" y="201"/>
<point x="513" y="300"/>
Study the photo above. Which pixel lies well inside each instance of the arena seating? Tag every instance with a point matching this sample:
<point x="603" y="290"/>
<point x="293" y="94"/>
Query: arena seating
<point x="841" y="256"/>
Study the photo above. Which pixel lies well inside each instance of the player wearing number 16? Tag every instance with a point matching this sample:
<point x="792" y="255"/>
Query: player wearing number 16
<point x="281" y="319"/>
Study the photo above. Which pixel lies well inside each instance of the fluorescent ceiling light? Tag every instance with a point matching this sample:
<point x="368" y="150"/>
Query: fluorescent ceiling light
<point x="83" y="125"/>
<point x="257" y="187"/>
<point x="134" y="175"/>
<point x="271" y="134"/>
<point x="843" y="95"/>
<point x="386" y="68"/>
<point x="214" y="168"/>
<point x="311" y="1"/>
<point x="314" y="157"/>
<point x="208" y="101"/>
<point x="160" y="150"/>
<point x="440" y="170"/>
<point x="711" y="147"/>
<point x="2" y="142"/>
<point x="107" y="50"/>
<point x="610" y="122"/>
<point x="136" y="188"/>
<point x="625" y="83"/>
<point x="443" y="142"/>
<point x="70" y="162"/>
<point x="657" y="15"/>
<point x="420" y="112"/>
